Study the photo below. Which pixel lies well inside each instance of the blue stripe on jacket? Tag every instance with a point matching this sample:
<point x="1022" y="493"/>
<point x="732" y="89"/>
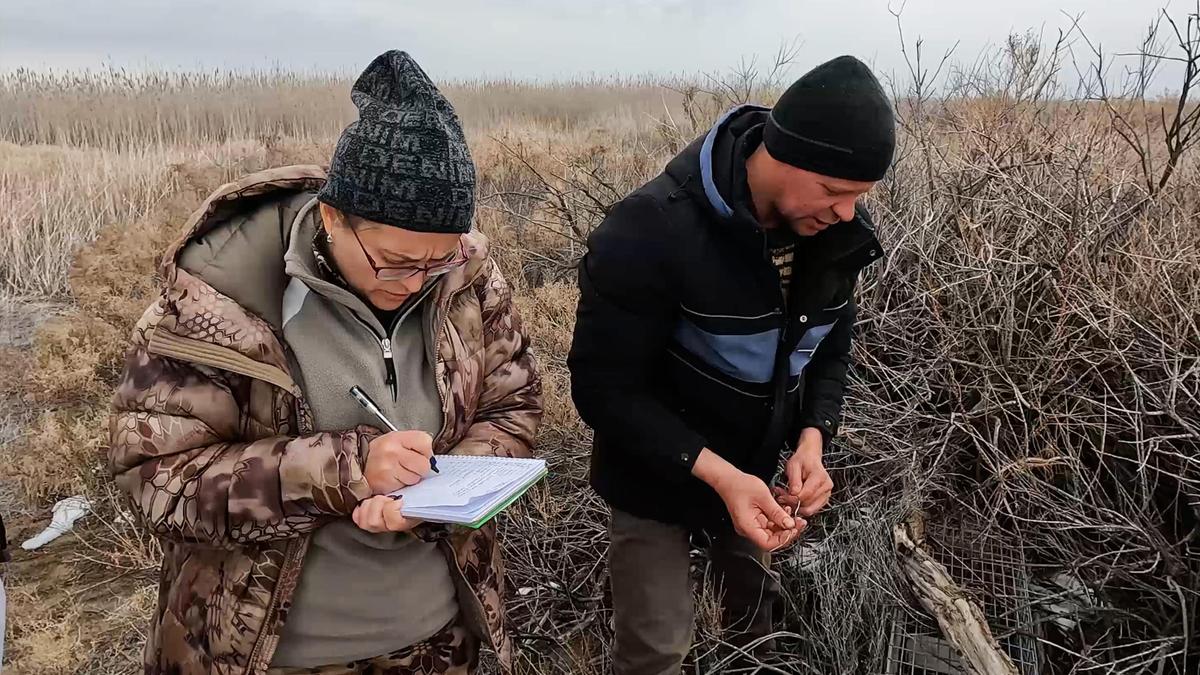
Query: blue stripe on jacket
<point x="750" y="357"/>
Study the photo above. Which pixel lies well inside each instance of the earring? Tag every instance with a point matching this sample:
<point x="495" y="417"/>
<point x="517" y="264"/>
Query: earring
<point x="328" y="237"/>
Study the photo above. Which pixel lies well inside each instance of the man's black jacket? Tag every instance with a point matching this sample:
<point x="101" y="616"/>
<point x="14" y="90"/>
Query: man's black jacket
<point x="683" y="339"/>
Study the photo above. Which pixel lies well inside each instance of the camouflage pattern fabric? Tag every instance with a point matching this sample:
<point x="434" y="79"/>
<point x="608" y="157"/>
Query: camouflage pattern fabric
<point x="453" y="651"/>
<point x="212" y="440"/>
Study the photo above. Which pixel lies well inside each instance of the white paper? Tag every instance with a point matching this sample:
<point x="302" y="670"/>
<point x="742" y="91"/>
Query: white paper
<point x="464" y="479"/>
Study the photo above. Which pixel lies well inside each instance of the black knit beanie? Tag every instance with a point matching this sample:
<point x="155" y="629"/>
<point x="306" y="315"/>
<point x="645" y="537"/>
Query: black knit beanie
<point x="405" y="161"/>
<point x="835" y="121"/>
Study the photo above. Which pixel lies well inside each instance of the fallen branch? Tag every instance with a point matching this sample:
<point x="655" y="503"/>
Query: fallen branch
<point x="959" y="616"/>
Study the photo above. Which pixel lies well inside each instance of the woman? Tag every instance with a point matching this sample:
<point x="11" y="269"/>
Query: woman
<point x="235" y="435"/>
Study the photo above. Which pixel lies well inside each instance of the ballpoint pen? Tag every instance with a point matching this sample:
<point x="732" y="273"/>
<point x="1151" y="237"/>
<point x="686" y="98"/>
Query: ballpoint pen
<point x="365" y="401"/>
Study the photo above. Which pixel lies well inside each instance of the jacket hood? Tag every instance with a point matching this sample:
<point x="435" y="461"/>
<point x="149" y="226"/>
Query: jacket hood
<point x="705" y="170"/>
<point x="704" y="166"/>
<point x="281" y="184"/>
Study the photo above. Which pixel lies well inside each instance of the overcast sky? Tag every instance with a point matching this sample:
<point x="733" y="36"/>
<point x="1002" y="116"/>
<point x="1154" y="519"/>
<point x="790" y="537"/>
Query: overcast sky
<point x="529" y="38"/>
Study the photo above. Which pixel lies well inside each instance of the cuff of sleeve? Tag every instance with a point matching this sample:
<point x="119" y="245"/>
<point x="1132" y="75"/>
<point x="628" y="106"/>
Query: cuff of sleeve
<point x="320" y="474"/>
<point x="684" y="457"/>
<point x="431" y="532"/>
<point x="366" y="434"/>
<point x="827" y="425"/>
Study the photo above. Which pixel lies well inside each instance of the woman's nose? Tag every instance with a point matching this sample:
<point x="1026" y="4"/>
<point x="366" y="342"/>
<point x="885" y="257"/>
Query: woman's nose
<point x="414" y="283"/>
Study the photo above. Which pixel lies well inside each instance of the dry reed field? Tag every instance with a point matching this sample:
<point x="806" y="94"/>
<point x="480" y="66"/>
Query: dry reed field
<point x="1019" y="472"/>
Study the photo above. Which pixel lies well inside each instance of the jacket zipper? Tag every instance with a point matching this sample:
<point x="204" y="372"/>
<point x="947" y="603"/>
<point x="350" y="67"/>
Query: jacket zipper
<point x="439" y="318"/>
<point x="388" y="360"/>
<point x="385" y="344"/>
<point x="293" y="554"/>
<point x="389" y="363"/>
<point x="781" y="371"/>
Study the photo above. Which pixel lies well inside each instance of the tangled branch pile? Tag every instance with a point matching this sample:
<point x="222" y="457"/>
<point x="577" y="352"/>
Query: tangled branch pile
<point x="1028" y="355"/>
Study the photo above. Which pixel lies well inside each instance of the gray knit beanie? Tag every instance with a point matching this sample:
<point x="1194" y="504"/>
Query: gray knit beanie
<point x="405" y="161"/>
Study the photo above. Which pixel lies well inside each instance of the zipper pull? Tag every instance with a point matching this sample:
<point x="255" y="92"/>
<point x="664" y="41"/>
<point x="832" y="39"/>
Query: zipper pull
<point x="390" y="364"/>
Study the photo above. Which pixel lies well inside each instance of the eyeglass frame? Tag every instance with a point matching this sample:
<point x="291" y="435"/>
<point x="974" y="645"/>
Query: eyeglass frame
<point x="411" y="271"/>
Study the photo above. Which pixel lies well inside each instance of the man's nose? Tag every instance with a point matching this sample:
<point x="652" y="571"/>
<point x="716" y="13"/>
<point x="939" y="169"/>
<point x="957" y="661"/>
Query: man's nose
<point x="844" y="210"/>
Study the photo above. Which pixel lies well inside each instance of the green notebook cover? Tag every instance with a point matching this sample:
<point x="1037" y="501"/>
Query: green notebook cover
<point x="508" y="502"/>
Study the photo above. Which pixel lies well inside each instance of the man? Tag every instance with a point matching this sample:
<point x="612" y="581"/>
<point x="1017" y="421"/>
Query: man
<point x="713" y="338"/>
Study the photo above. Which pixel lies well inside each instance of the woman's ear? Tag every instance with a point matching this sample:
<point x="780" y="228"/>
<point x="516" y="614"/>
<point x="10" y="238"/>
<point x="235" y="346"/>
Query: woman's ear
<point x="329" y="216"/>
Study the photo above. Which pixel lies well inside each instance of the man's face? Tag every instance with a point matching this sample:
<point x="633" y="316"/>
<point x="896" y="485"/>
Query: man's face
<point x="806" y="202"/>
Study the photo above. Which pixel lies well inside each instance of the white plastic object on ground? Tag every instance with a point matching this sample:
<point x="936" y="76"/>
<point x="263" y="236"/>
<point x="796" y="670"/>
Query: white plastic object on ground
<point x="65" y="513"/>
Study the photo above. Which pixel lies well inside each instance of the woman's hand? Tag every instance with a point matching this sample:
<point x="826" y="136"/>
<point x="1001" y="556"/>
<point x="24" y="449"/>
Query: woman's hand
<point x="382" y="514"/>
<point x="397" y="459"/>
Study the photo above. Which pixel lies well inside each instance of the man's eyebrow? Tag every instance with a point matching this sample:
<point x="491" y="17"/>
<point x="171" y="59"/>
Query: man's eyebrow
<point x="835" y="189"/>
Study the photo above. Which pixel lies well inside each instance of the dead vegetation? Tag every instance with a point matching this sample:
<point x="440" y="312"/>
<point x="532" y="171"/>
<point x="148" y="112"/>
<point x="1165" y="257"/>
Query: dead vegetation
<point x="1028" y="353"/>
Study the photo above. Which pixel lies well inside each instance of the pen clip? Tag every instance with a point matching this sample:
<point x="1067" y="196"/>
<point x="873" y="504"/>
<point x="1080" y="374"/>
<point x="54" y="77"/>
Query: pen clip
<point x="365" y="401"/>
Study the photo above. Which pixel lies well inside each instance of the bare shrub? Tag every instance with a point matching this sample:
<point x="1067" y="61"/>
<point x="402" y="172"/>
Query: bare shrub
<point x="1027" y="351"/>
<point x="703" y="102"/>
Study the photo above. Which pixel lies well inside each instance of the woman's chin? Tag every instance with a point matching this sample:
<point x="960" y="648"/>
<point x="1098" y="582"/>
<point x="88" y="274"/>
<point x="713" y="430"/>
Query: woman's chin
<point x="387" y="301"/>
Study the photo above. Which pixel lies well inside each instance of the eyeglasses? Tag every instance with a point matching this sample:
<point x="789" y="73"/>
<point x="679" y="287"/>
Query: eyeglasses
<point x="405" y="272"/>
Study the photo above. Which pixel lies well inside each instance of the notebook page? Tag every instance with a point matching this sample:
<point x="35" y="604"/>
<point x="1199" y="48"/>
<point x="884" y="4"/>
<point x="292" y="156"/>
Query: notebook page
<point x="477" y="506"/>
<point x="462" y="479"/>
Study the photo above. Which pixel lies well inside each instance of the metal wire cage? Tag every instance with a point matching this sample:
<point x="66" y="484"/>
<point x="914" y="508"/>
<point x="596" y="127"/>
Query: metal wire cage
<point x="994" y="572"/>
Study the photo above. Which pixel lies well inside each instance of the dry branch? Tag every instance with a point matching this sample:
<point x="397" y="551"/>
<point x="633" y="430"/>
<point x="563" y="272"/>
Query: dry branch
<point x="959" y="616"/>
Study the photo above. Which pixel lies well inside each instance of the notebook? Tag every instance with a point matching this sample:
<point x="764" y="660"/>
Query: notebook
<point x="470" y="490"/>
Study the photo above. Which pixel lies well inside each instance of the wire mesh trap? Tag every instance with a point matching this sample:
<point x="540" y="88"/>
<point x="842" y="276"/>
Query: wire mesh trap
<point x="994" y="572"/>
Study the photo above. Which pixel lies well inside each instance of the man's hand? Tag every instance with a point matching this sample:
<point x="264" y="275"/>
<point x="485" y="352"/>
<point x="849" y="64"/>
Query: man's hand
<point x="756" y="514"/>
<point x="809" y="484"/>
<point x="382" y="514"/>
<point x="397" y="459"/>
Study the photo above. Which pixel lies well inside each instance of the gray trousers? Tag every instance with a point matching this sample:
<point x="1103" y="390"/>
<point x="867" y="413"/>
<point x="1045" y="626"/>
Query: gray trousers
<point x="652" y="595"/>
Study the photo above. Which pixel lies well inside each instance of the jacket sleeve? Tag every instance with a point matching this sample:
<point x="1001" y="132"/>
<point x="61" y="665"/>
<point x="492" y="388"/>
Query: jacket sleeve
<point x="627" y="311"/>
<point x="176" y="448"/>
<point x="825" y="387"/>
<point x="510" y="402"/>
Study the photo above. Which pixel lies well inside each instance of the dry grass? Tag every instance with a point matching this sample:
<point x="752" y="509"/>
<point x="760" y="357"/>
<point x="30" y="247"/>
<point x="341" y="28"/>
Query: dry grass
<point x="114" y="109"/>
<point x="58" y="199"/>
<point x="1029" y="351"/>
<point x="79" y="151"/>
